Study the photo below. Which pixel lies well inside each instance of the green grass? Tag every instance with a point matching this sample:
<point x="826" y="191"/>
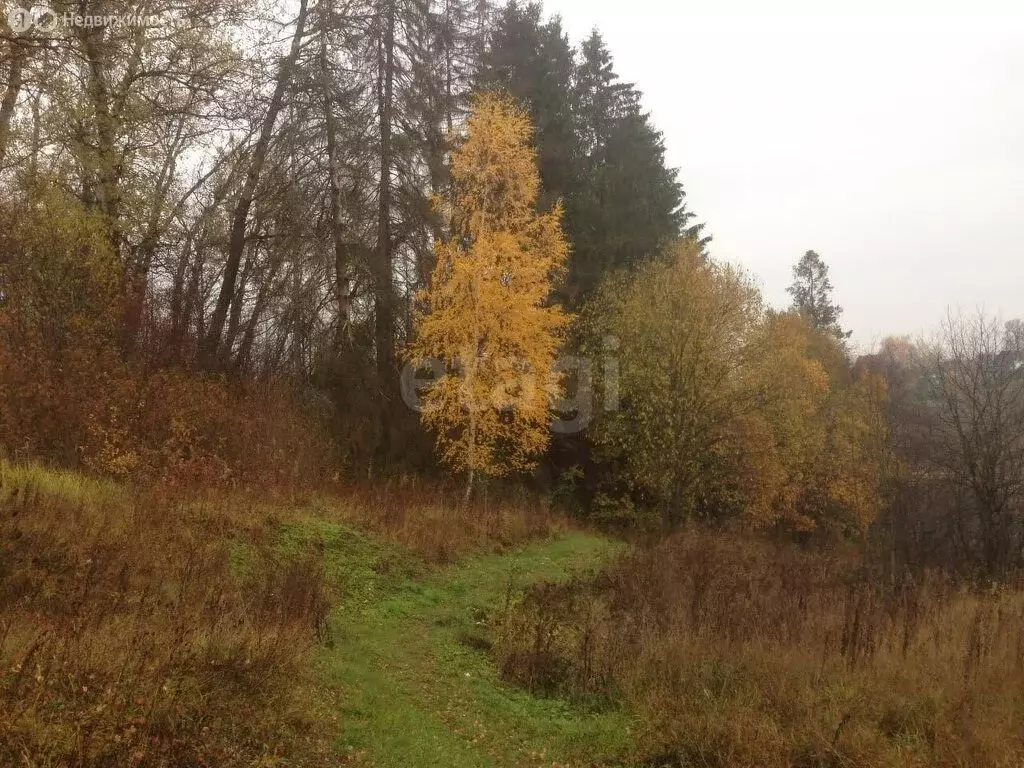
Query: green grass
<point x="407" y="679"/>
<point x="412" y="691"/>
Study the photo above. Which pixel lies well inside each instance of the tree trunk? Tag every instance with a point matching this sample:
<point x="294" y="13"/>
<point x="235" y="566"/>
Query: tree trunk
<point x="471" y="454"/>
<point x="249" y="335"/>
<point x="10" y="100"/>
<point x="341" y="248"/>
<point x="384" y="319"/>
<point x="237" y="304"/>
<point x="469" y="487"/>
<point x="209" y="353"/>
<point x="105" y="181"/>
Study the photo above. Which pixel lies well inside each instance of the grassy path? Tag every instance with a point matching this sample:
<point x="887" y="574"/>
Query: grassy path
<point x="415" y="693"/>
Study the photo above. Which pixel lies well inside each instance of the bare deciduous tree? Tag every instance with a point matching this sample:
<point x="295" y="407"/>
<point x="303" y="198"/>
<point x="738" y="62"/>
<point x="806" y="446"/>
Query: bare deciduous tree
<point x="977" y="435"/>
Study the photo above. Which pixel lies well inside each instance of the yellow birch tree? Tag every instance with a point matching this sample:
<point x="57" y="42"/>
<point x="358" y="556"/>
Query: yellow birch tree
<point x="486" y="314"/>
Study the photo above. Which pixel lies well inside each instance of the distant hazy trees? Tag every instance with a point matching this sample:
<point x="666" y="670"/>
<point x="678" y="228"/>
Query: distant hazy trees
<point x="977" y="386"/>
<point x="956" y="406"/>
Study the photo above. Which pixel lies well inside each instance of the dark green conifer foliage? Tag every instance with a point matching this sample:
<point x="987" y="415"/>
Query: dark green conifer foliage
<point x="599" y="152"/>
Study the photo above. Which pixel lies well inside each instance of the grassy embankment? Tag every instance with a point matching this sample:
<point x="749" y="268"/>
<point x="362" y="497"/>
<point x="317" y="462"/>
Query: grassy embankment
<point x="381" y="629"/>
<point x="142" y="629"/>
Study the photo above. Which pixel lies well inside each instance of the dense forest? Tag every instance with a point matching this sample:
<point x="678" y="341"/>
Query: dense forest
<point x="423" y="261"/>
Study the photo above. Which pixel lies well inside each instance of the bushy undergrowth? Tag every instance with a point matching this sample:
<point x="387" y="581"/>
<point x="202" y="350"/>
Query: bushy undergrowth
<point x="736" y="652"/>
<point x="168" y="427"/>
<point x="131" y="635"/>
<point x="70" y="396"/>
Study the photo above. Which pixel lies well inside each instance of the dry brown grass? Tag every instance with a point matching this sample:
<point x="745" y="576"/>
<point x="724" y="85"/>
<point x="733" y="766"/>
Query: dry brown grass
<point x="175" y="627"/>
<point x="735" y="652"/>
<point x="432" y="521"/>
<point x="131" y="635"/>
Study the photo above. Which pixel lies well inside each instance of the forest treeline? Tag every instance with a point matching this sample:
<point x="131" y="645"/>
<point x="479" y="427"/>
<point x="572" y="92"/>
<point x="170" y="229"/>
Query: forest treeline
<point x="247" y="190"/>
<point x="224" y="235"/>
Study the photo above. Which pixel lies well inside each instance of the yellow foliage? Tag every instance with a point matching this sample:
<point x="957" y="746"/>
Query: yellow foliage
<point x="59" y="305"/>
<point x="59" y="279"/>
<point x="682" y="325"/>
<point x="486" y="313"/>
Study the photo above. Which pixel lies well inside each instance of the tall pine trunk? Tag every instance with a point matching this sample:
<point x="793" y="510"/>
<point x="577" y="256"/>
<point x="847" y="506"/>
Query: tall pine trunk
<point x="210" y="350"/>
<point x="384" y="311"/>
<point x="342" y="255"/>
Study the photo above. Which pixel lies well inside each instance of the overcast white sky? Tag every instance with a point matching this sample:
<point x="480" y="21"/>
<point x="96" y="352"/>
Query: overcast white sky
<point x="891" y="142"/>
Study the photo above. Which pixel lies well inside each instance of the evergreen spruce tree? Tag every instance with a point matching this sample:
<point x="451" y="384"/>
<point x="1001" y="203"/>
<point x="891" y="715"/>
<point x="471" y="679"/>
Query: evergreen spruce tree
<point x="598" y="150"/>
